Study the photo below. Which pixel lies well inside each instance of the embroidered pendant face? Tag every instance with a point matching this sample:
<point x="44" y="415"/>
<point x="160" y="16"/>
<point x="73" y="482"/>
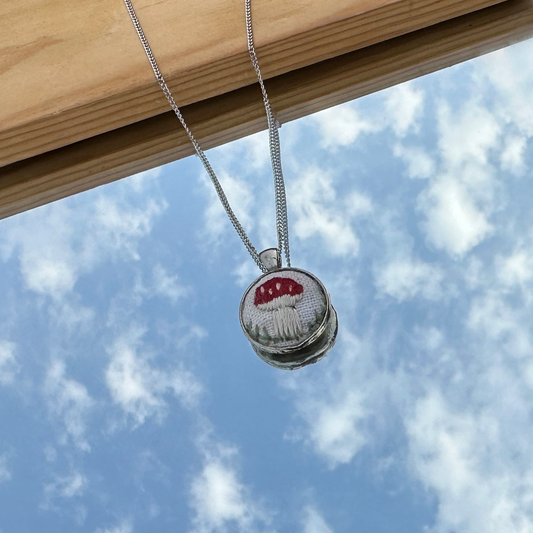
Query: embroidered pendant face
<point x="287" y="316"/>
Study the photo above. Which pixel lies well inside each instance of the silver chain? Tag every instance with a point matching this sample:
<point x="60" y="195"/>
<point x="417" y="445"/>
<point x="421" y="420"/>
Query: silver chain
<point x="282" y="226"/>
<point x="282" y="222"/>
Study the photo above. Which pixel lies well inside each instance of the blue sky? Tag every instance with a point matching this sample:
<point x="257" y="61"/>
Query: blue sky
<point x="131" y="402"/>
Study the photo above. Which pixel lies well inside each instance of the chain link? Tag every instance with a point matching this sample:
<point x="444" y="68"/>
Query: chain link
<point x="282" y="223"/>
<point x="282" y="226"/>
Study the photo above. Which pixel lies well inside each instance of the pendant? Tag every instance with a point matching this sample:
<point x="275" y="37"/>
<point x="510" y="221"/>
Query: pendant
<point x="287" y="316"/>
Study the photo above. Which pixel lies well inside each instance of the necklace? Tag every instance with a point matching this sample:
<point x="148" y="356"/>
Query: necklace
<point x="286" y="313"/>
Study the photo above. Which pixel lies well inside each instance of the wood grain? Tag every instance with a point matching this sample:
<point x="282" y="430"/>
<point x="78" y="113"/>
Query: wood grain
<point x="158" y="140"/>
<point x="68" y="74"/>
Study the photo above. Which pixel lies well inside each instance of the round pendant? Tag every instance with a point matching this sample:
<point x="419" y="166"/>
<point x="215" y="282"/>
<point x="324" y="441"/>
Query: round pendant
<point x="287" y="316"/>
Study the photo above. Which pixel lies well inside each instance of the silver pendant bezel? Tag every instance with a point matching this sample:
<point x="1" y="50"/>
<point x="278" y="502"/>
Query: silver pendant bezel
<point x="308" y="351"/>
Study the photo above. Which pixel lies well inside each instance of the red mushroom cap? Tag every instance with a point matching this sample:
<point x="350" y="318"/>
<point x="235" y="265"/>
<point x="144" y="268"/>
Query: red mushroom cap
<point x="276" y="287"/>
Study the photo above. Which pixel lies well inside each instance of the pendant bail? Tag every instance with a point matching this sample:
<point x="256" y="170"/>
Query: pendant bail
<point x="271" y="258"/>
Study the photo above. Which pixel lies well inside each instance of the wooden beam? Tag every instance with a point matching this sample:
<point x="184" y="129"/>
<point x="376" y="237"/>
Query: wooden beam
<point x="160" y="139"/>
<point x="71" y="74"/>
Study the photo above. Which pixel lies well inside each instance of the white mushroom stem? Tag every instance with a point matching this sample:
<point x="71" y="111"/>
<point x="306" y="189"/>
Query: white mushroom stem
<point x="285" y="318"/>
<point x="286" y="322"/>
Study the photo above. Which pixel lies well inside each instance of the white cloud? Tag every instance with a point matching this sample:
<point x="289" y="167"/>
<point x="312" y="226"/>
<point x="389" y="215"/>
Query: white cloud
<point x="512" y="155"/>
<point x="516" y="269"/>
<point x="57" y="243"/>
<point x="468" y="429"/>
<point x="342" y="125"/>
<point x="491" y="315"/>
<point x="418" y="161"/>
<point x="467" y="135"/>
<point x="335" y="432"/>
<point x="117" y="226"/>
<point x="459" y="202"/>
<point x="406" y="278"/>
<point x="460" y="457"/>
<point x="314" y="522"/>
<point x="162" y="284"/>
<point x="42" y="240"/>
<point x="358" y="204"/>
<point x="72" y="485"/>
<point x="69" y="401"/>
<point x="5" y="474"/>
<point x="318" y="211"/>
<point x="245" y="272"/>
<point x="218" y="498"/>
<point x="404" y="104"/>
<point x="139" y="387"/>
<point x="221" y="502"/>
<point x="71" y="316"/>
<point x="334" y="404"/>
<point x="508" y="72"/>
<point x="167" y="285"/>
<point x="8" y="363"/>
<point x="50" y="453"/>
<point x="125" y="526"/>
<point x="454" y="223"/>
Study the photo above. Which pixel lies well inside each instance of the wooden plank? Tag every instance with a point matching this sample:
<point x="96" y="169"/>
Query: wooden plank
<point x="71" y="74"/>
<point x="159" y="140"/>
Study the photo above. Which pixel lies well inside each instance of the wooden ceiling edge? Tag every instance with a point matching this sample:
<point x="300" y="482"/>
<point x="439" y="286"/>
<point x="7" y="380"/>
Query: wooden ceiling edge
<point x="62" y="127"/>
<point x="159" y="140"/>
